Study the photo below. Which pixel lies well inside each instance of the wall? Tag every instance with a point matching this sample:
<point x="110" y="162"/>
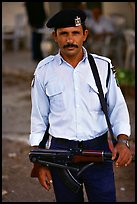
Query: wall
<point x="127" y="9"/>
<point x="9" y="10"/>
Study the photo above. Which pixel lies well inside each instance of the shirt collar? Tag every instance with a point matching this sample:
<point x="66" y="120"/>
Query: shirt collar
<point x="60" y="60"/>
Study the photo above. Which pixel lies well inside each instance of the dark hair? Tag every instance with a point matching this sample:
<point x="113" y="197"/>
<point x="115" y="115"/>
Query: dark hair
<point x="84" y="27"/>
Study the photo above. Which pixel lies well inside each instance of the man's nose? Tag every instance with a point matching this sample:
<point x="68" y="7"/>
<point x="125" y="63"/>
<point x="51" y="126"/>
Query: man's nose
<point x="70" y="40"/>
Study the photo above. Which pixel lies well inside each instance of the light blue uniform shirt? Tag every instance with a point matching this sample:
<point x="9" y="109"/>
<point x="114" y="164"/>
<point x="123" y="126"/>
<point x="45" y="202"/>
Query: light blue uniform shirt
<point x="68" y="98"/>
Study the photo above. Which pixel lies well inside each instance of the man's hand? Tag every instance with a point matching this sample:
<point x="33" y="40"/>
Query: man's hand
<point x="124" y="155"/>
<point x="43" y="175"/>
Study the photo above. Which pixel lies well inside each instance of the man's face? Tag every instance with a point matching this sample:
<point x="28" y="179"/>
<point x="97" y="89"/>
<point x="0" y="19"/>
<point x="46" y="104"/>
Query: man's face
<point x="70" y="39"/>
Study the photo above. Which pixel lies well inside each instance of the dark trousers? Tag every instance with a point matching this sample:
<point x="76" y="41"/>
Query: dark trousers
<point x="36" y="46"/>
<point x="98" y="179"/>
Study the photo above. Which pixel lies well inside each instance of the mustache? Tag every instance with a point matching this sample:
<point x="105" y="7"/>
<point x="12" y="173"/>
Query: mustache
<point x="70" y="45"/>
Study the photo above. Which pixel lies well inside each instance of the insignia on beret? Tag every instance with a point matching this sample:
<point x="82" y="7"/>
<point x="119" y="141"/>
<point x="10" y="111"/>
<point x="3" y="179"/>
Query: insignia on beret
<point x="77" y="21"/>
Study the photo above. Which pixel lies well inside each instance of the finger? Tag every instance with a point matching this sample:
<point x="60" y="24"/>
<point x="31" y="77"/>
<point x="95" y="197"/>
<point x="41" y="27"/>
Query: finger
<point x="44" y="182"/>
<point x="121" y="159"/>
<point x="43" y="179"/>
<point x="114" y="154"/>
<point x="48" y="182"/>
<point x="49" y="176"/>
<point x="124" y="159"/>
<point x="129" y="161"/>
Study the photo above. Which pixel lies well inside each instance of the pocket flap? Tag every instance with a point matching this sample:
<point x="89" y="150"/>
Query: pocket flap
<point x="53" y="89"/>
<point x="95" y="88"/>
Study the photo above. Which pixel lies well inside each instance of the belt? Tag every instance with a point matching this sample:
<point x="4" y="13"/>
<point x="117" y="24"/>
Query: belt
<point x="79" y="144"/>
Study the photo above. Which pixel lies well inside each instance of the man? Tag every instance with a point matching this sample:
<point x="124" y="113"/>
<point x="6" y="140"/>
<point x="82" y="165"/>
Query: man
<point x="101" y="30"/>
<point x="65" y="96"/>
<point x="36" y="18"/>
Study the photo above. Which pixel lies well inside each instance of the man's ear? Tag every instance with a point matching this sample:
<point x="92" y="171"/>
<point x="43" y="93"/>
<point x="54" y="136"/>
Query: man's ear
<point x="86" y="32"/>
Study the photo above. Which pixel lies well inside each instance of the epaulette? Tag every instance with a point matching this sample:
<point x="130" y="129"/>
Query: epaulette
<point x="101" y="57"/>
<point x="41" y="64"/>
<point x="44" y="62"/>
<point x="95" y="56"/>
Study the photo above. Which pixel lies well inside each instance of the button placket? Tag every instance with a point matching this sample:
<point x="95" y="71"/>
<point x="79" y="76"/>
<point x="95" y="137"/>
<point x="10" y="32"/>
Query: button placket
<point x="77" y="101"/>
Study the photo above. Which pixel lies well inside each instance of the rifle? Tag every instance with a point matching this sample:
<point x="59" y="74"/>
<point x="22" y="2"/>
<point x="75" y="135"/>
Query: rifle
<point x="73" y="159"/>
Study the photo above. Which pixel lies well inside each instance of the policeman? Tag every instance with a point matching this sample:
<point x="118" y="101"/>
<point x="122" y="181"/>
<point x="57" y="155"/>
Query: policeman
<point x="65" y="96"/>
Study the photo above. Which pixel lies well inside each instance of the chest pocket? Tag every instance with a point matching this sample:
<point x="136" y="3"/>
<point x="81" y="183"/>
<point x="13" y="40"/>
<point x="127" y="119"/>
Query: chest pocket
<point x="55" y="93"/>
<point x="93" y="98"/>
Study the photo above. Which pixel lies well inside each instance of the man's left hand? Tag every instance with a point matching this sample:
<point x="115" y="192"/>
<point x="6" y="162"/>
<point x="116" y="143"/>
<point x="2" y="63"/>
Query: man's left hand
<point x="124" y="155"/>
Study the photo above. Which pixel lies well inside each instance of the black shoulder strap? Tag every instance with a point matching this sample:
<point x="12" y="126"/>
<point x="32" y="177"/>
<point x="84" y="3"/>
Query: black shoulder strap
<point x="45" y="138"/>
<point x="101" y="94"/>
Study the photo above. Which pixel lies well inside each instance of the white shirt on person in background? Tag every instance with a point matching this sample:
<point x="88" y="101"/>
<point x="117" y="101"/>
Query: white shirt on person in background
<point x="102" y="25"/>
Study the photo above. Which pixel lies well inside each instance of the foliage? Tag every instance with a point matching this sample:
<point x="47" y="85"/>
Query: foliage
<point x="125" y="77"/>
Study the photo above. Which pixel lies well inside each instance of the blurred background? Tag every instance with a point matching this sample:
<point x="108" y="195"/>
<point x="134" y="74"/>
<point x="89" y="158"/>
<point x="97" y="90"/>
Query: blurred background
<point x="16" y="30"/>
<point x="18" y="65"/>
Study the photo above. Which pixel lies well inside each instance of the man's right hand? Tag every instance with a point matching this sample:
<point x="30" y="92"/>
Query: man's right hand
<point x="43" y="174"/>
<point x="44" y="177"/>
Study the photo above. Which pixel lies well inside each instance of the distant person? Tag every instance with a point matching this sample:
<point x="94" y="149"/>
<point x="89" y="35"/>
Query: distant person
<point x="83" y="6"/>
<point x="36" y="19"/>
<point x="100" y="27"/>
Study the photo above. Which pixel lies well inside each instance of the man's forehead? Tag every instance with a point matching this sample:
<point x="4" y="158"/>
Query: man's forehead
<point x="70" y="29"/>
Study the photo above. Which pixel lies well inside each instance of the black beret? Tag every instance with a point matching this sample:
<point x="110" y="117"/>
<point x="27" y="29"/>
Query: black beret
<point x="69" y="17"/>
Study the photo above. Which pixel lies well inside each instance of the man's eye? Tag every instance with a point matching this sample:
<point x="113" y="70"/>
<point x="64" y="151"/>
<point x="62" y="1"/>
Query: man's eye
<point x="76" y="33"/>
<point x="63" y="33"/>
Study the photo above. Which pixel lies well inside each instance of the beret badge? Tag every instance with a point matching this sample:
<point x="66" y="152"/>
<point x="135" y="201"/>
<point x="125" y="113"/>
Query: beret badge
<point x="77" y="21"/>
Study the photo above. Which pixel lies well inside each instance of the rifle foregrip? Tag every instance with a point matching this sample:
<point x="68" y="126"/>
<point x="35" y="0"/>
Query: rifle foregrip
<point x="92" y="156"/>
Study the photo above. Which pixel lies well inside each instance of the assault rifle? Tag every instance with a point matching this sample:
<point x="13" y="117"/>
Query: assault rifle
<point x="73" y="159"/>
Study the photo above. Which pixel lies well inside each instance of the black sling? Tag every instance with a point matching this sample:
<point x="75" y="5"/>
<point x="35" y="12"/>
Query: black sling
<point x="101" y="94"/>
<point x="101" y="97"/>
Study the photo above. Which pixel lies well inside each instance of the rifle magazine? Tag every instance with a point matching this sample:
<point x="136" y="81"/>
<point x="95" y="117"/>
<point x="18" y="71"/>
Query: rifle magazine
<point x="72" y="183"/>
